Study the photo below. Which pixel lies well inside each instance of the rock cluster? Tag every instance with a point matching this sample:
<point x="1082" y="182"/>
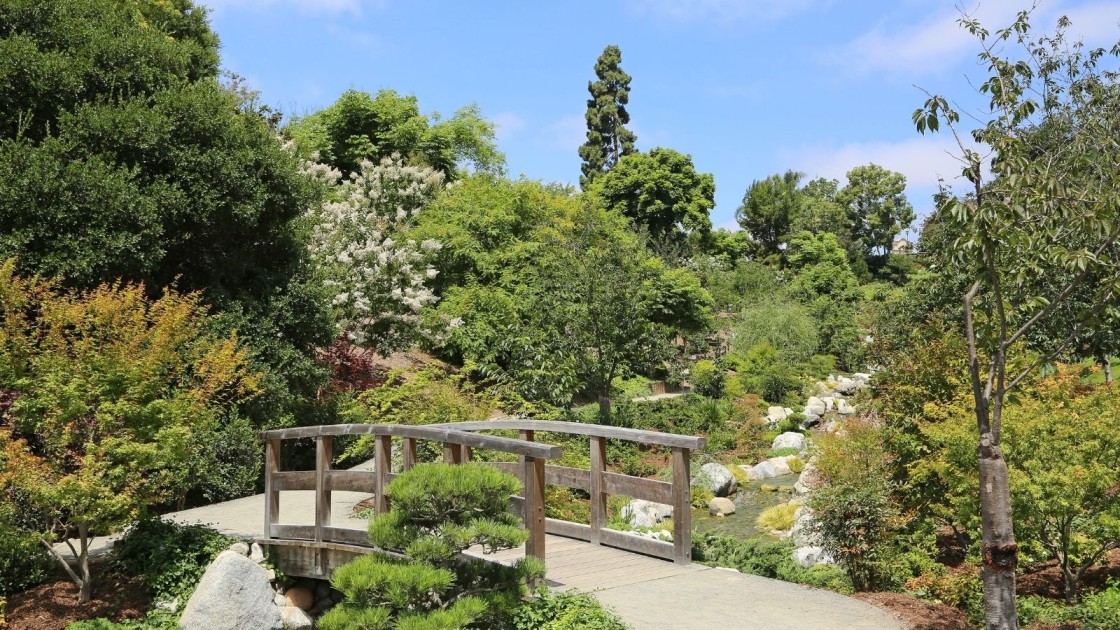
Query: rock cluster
<point x="237" y="593"/>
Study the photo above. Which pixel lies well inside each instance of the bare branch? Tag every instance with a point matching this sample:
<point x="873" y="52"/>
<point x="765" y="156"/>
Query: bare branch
<point x="65" y="565"/>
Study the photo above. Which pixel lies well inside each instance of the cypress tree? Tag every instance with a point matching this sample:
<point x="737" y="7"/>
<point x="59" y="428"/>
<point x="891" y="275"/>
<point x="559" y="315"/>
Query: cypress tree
<point x="607" y="137"/>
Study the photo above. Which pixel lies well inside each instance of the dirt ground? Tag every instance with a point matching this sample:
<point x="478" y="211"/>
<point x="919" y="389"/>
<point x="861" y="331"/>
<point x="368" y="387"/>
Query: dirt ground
<point x="53" y="605"/>
<point x="918" y="614"/>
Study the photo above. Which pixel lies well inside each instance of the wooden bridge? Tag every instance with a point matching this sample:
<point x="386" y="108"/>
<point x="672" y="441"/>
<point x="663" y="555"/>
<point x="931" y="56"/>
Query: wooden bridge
<point x="604" y="556"/>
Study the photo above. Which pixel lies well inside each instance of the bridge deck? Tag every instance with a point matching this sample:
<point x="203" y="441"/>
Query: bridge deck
<point x="574" y="564"/>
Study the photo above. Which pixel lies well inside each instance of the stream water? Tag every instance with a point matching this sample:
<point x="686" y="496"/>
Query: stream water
<point x="750" y="501"/>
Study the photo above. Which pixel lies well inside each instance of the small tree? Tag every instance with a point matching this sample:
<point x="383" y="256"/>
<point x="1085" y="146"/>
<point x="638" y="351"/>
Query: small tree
<point x="437" y="512"/>
<point x="1049" y="206"/>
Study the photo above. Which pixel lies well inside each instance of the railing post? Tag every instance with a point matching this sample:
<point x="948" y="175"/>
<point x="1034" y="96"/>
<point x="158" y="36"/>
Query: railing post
<point x="682" y="507"/>
<point x="452" y="453"/>
<point x="271" y="494"/>
<point x="322" y="492"/>
<point x="382" y="466"/>
<point x="409" y="455"/>
<point x="534" y="506"/>
<point x="598" y="498"/>
<point x="527" y="436"/>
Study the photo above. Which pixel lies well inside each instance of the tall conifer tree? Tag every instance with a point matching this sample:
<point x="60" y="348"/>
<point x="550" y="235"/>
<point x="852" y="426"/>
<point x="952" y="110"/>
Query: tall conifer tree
<point x="607" y="137"/>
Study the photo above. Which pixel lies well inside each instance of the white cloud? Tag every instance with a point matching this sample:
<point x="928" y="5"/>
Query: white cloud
<point x="508" y="125"/>
<point x="718" y="10"/>
<point x="939" y="42"/>
<point x="923" y="160"/>
<point x="325" y="7"/>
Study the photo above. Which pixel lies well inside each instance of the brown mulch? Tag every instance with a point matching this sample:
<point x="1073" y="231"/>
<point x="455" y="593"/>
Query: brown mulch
<point x="54" y="605"/>
<point x="918" y="614"/>
<point x="1045" y="578"/>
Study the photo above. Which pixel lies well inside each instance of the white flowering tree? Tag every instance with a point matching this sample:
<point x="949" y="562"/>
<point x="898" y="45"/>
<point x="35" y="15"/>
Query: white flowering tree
<point x="375" y="274"/>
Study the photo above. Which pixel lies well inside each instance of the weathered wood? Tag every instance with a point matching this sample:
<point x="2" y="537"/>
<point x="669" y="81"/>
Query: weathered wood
<point x="517" y="507"/>
<point x="466" y="453"/>
<point x="638" y="488"/>
<point x="271" y="492"/>
<point x="409" y="454"/>
<point x="434" y="432"/>
<point x="323" y="456"/>
<point x="682" y="507"/>
<point x="629" y="542"/>
<point x="293" y="532"/>
<point x="654" y="438"/>
<point x="352" y="481"/>
<point x="346" y="535"/>
<point x="511" y="468"/>
<point x="534" y="507"/>
<point x="294" y="480"/>
<point x="567" y="529"/>
<point x="382" y="466"/>
<point x="452" y="453"/>
<point x="595" y="488"/>
<point x="568" y="477"/>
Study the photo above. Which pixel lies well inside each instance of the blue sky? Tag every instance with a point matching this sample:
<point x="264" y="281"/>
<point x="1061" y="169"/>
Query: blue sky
<point x="747" y="87"/>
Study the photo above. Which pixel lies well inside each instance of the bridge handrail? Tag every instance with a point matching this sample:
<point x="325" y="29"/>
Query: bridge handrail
<point x="654" y="438"/>
<point x="598" y="482"/>
<point x="435" y="432"/>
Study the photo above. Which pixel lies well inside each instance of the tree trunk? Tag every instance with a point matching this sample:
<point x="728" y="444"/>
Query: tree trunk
<point x="1106" y="363"/>
<point x="999" y="552"/>
<point x="85" y="589"/>
<point x="604" y="408"/>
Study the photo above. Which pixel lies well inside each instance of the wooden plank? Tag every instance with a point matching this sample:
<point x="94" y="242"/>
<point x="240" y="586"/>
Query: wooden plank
<point x="346" y="535"/>
<point x="294" y="480"/>
<point x="638" y="488"/>
<point x="682" y="507"/>
<point x="452" y="453"/>
<point x="568" y="529"/>
<point x="409" y="453"/>
<point x="568" y="477"/>
<point x="466" y="451"/>
<point x="352" y="481"/>
<point x="434" y="432"/>
<point x="534" y="507"/>
<point x="655" y="438"/>
<point x="382" y="466"/>
<point x="648" y="546"/>
<point x="322" y="493"/>
<point x="271" y="492"/>
<point x="512" y="468"/>
<point x="596" y="489"/>
<point x="293" y="532"/>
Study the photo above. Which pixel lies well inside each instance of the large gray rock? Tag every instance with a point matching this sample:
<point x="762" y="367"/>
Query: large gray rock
<point x="808" y="480"/>
<point x="846" y="385"/>
<point x="802" y="533"/>
<point x="717" y="478"/>
<point x="809" y="556"/>
<point x="814" y="407"/>
<point x="773" y="467"/>
<point x="233" y="594"/>
<point x="642" y="513"/>
<point x="845" y="408"/>
<point x="774" y="415"/>
<point x="790" y="439"/>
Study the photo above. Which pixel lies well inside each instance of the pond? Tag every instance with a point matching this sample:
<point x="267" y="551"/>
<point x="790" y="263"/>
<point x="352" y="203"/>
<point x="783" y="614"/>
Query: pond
<point x="750" y="501"/>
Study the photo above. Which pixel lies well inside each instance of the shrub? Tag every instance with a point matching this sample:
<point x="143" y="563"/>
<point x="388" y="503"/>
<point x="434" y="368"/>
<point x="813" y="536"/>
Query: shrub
<point x="23" y="559"/>
<point x="767" y="559"/>
<point x="783" y="452"/>
<point x="796" y="464"/>
<point x="1099" y="611"/>
<point x="783" y="325"/>
<point x="565" y="611"/>
<point x="778" y="517"/>
<point x="168" y="558"/>
<point x="707" y="379"/>
<point x="437" y="511"/>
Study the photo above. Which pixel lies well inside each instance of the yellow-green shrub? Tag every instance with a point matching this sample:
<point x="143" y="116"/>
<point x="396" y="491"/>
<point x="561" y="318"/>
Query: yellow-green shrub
<point x="778" y="517"/>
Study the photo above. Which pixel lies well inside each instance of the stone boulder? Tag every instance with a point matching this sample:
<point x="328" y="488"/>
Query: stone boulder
<point x="846" y="385"/>
<point x="300" y="597"/>
<point x="808" y="480"/>
<point x="773" y="467"/>
<point x="802" y="534"/>
<point x="775" y="415"/>
<point x="233" y="594"/>
<point x="790" y="439"/>
<point x="845" y="408"/>
<point x="721" y="506"/>
<point x="815" y="407"/>
<point x="717" y="478"/>
<point x="642" y="513"/>
<point x="294" y="618"/>
<point x="809" y="556"/>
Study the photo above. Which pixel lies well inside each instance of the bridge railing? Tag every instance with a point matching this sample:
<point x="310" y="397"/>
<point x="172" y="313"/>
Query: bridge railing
<point x="599" y="483"/>
<point x="321" y="538"/>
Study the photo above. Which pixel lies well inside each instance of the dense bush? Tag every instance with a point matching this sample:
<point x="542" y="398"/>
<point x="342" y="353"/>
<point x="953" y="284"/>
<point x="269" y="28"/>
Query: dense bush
<point x="707" y="379"/>
<point x="565" y="611"/>
<point x="767" y="559"/>
<point x="168" y="558"/>
<point x="23" y="560"/>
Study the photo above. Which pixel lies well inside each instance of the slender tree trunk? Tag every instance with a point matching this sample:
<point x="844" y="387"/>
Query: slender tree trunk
<point x="1106" y="363"/>
<point x="999" y="552"/>
<point x="85" y="589"/>
<point x="604" y="408"/>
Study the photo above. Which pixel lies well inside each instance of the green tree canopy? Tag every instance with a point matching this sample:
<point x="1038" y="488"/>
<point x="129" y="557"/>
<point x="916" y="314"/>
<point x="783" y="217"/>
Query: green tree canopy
<point x="360" y="127"/>
<point x="877" y="207"/>
<point x="608" y="139"/>
<point x="769" y="207"/>
<point x="661" y="193"/>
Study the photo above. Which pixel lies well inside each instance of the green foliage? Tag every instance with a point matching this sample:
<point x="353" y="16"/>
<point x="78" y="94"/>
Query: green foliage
<point x="707" y="378"/>
<point x="779" y="517"/>
<point x="877" y="207"/>
<point x="661" y="193"/>
<point x="783" y="452"/>
<point x="765" y="371"/>
<point x="768" y="208"/>
<point x="436" y="512"/>
<point x="608" y="139"/>
<point x="783" y="324"/>
<point x="825" y="283"/>
<point x="168" y="558"/>
<point x="23" y="560"/>
<point x="743" y="283"/>
<point x="853" y="511"/>
<point x="767" y="559"/>
<point x="360" y="127"/>
<point x="569" y="610"/>
<point x="1099" y="611"/>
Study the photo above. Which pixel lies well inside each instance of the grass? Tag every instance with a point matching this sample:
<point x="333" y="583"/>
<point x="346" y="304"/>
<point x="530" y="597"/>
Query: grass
<point x="778" y="517"/>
